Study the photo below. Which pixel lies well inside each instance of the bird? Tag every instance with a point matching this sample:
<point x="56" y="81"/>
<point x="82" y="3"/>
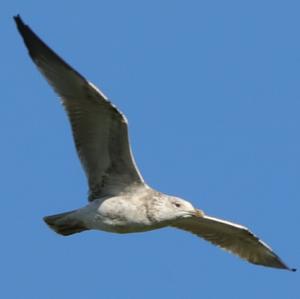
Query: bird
<point x="119" y="200"/>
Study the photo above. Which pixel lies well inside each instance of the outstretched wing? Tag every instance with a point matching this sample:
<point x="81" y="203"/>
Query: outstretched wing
<point x="234" y="238"/>
<point x="99" y="128"/>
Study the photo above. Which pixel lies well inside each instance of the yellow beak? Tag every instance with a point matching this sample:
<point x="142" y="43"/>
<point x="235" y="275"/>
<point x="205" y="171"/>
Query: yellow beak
<point x="199" y="213"/>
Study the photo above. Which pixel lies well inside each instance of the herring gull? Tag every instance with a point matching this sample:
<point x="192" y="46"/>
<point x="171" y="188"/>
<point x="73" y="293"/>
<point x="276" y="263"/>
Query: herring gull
<point x="119" y="199"/>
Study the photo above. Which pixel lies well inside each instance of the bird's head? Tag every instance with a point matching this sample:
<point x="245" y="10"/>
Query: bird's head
<point x="170" y="208"/>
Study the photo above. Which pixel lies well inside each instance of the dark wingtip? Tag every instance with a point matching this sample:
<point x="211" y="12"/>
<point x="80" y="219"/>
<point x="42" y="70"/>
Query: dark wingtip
<point x="22" y="28"/>
<point x="37" y="47"/>
<point x="18" y="21"/>
<point x="285" y="267"/>
<point x="288" y="268"/>
<point x="31" y="40"/>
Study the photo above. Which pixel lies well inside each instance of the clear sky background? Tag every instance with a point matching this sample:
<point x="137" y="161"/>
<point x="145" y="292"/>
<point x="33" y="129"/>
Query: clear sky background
<point x="211" y="91"/>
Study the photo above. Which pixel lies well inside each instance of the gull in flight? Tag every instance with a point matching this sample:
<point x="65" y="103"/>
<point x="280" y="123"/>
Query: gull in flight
<point x="119" y="200"/>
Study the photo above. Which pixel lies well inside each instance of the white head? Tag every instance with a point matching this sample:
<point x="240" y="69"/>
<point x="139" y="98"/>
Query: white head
<point x="168" y="208"/>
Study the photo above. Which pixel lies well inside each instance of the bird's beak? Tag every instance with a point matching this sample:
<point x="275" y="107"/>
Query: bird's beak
<point x="198" y="213"/>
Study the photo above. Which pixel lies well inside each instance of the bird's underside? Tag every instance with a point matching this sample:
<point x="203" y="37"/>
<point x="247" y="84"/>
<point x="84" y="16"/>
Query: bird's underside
<point x="119" y="199"/>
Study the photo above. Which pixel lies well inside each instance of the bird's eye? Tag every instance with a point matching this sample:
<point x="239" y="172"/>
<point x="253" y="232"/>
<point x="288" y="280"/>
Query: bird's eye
<point x="178" y="205"/>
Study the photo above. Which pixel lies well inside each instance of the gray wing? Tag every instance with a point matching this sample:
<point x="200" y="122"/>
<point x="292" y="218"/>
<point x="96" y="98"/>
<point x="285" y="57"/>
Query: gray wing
<point x="99" y="129"/>
<point x="234" y="238"/>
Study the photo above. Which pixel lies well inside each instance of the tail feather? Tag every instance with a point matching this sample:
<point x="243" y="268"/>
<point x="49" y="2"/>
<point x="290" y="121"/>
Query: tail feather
<point x="65" y="223"/>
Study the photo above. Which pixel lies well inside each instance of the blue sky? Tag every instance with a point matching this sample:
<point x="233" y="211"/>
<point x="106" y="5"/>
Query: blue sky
<point x="211" y="91"/>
